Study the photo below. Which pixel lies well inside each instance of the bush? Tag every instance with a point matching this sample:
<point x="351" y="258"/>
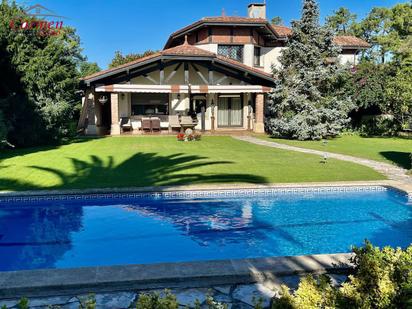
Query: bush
<point x="378" y="125"/>
<point x="381" y="278"/>
<point x="155" y="301"/>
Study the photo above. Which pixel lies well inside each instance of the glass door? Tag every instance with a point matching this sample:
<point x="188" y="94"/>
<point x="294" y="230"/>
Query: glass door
<point x="229" y="112"/>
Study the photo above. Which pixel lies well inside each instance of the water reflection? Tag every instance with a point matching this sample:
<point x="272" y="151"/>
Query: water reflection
<point x="36" y="237"/>
<point x="132" y="231"/>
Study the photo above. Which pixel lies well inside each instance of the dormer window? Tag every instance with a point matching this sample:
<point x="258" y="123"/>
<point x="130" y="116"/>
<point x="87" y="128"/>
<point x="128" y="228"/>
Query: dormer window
<point x="231" y="51"/>
<point x="256" y="57"/>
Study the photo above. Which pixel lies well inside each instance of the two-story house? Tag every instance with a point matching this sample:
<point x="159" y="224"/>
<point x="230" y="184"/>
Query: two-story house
<point x="217" y="70"/>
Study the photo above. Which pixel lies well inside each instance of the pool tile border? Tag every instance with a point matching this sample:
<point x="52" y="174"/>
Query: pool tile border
<point x="202" y="193"/>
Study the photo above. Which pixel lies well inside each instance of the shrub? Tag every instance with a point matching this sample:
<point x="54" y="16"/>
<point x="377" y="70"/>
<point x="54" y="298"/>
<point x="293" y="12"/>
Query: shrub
<point x="189" y="137"/>
<point x="378" y="125"/>
<point x="381" y="278"/>
<point x="197" y="136"/>
<point x="155" y="301"/>
<point x="180" y="137"/>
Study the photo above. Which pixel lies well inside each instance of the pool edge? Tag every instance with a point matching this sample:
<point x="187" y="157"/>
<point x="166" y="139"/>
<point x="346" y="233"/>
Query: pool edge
<point x="400" y="186"/>
<point x="53" y="282"/>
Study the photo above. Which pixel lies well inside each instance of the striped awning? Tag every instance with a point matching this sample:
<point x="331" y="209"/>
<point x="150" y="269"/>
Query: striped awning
<point x="124" y="88"/>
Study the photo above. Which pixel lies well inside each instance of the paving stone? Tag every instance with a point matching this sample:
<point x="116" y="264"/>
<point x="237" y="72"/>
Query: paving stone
<point x="225" y="289"/>
<point x="71" y="305"/>
<point x="114" y="300"/>
<point x="48" y="301"/>
<point x="337" y="280"/>
<point x="222" y="298"/>
<point x="241" y="306"/>
<point x="9" y="303"/>
<point x="188" y="297"/>
<point x="251" y="293"/>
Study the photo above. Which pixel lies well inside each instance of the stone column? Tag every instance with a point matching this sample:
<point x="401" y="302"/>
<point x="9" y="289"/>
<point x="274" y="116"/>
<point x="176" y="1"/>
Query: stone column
<point x="114" y="105"/>
<point x="91" y="114"/>
<point x="259" y="113"/>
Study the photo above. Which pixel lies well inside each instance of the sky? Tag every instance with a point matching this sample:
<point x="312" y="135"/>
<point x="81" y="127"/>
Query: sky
<point x="133" y="26"/>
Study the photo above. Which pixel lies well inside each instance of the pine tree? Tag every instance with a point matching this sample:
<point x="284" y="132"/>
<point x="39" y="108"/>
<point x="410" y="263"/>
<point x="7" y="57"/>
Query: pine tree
<point x="306" y="102"/>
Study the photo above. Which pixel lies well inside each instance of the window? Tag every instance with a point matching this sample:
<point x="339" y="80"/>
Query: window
<point x="150" y="104"/>
<point x="256" y="59"/>
<point x="231" y="51"/>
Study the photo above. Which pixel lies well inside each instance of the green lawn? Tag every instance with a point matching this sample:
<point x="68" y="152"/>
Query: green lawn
<point x="390" y="150"/>
<point x="154" y="160"/>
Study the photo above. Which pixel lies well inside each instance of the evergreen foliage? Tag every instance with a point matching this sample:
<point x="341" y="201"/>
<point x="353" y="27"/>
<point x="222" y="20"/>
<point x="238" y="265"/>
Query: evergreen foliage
<point x="307" y="101"/>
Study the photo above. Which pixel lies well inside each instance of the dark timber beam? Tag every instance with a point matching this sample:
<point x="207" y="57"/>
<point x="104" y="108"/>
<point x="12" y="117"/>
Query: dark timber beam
<point x="186" y="68"/>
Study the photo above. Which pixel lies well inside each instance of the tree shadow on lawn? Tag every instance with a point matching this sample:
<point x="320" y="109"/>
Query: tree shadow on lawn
<point x="400" y="158"/>
<point x="11" y="153"/>
<point x="142" y="169"/>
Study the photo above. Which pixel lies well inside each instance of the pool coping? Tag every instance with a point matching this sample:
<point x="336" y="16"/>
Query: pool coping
<point x="57" y="282"/>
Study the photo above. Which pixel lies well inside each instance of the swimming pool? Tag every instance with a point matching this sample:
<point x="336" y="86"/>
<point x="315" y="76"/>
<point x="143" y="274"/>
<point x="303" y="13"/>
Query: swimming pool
<point x="114" y="229"/>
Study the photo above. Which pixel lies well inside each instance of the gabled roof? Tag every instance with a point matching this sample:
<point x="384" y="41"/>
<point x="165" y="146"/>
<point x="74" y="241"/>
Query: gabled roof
<point x="184" y="51"/>
<point x="224" y="20"/>
<point x="280" y="32"/>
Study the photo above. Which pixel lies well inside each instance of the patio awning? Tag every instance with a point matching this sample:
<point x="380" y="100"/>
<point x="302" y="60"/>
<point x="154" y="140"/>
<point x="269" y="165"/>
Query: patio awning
<point x="124" y="88"/>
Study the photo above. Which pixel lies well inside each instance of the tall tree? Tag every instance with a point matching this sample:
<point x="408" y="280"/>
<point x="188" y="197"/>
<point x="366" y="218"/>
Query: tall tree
<point x="342" y="21"/>
<point x="38" y="91"/>
<point x="88" y="68"/>
<point x="306" y="101"/>
<point x="277" y="20"/>
<point x="120" y="59"/>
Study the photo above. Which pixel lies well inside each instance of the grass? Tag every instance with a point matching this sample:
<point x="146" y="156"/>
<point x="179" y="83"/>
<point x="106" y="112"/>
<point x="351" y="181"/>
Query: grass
<point x="155" y="161"/>
<point x="385" y="149"/>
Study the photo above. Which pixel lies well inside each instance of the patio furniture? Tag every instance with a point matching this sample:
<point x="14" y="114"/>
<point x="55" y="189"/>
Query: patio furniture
<point x="146" y="124"/>
<point x="155" y="123"/>
<point x="187" y="122"/>
<point x="174" y="122"/>
<point x="125" y="123"/>
<point x="136" y="125"/>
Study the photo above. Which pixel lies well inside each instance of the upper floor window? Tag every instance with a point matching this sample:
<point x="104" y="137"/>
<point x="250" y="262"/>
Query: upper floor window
<point x="256" y="58"/>
<point x="231" y="51"/>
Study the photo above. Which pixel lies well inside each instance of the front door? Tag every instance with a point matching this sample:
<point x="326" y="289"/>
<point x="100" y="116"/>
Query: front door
<point x="229" y="112"/>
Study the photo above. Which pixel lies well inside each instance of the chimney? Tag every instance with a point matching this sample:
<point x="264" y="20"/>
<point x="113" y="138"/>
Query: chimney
<point x="256" y="10"/>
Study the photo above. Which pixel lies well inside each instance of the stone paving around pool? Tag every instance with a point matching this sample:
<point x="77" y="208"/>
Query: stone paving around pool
<point x="236" y="296"/>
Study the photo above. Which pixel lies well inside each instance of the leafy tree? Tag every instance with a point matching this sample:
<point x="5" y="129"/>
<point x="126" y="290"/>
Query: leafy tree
<point x="88" y="68"/>
<point x="120" y="59"/>
<point x="277" y="20"/>
<point x="39" y="86"/>
<point x="399" y="94"/>
<point x="307" y="102"/>
<point x="342" y="21"/>
<point x="375" y="29"/>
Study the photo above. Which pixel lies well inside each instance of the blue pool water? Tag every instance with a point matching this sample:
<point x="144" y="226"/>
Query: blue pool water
<point x="62" y="234"/>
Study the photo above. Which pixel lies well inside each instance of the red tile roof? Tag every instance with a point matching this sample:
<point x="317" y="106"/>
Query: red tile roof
<point x="341" y="40"/>
<point x="122" y="66"/>
<point x="181" y="50"/>
<point x="351" y="41"/>
<point x="282" y="31"/>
